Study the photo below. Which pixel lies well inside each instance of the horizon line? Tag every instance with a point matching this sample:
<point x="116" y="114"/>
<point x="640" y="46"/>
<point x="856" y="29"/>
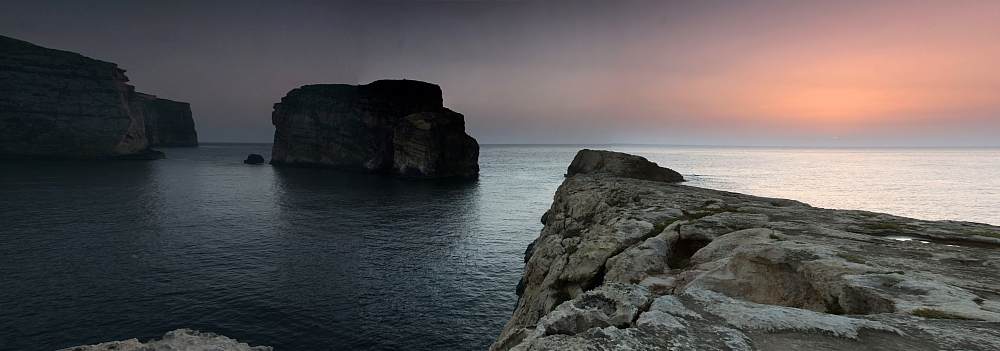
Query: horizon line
<point x="669" y="145"/>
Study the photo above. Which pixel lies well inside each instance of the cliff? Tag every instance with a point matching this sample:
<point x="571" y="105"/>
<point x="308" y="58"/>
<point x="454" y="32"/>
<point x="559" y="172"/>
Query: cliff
<point x="59" y="104"/>
<point x="387" y="126"/>
<point x="633" y="264"/>
<point x="169" y="123"/>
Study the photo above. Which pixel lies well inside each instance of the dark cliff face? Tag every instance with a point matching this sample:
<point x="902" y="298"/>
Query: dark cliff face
<point x="434" y="144"/>
<point x="170" y="124"/>
<point x="59" y="104"/>
<point x="397" y="126"/>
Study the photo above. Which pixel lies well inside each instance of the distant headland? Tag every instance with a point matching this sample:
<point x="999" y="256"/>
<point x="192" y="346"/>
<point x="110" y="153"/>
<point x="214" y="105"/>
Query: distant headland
<point x="58" y="104"/>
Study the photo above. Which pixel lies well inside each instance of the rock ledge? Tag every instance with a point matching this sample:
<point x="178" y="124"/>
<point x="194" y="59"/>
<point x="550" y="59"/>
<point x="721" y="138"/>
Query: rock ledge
<point x="630" y="264"/>
<point x="621" y="164"/>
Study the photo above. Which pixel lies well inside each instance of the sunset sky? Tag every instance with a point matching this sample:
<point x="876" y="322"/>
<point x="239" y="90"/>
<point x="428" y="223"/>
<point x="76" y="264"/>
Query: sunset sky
<point x="830" y="73"/>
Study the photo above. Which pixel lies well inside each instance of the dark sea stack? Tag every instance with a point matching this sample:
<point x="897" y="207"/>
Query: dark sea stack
<point x="170" y="124"/>
<point x="254" y="159"/>
<point x="356" y="127"/>
<point x="431" y="144"/>
<point x="61" y="105"/>
<point x="621" y="164"/>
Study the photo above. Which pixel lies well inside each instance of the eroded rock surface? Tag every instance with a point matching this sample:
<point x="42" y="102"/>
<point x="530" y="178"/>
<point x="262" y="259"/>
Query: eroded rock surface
<point x="59" y="104"/>
<point x="169" y="123"/>
<point x="177" y="340"/>
<point x="700" y="269"/>
<point x="621" y="164"/>
<point x="392" y="126"/>
<point x="434" y="145"/>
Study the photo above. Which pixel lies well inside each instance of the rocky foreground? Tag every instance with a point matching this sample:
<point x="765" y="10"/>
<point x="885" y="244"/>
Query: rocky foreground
<point x="387" y="126"/>
<point x="177" y="340"/>
<point x="632" y="264"/>
<point x="58" y="104"/>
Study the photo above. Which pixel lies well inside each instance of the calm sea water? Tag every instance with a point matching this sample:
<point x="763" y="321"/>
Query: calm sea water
<point x="314" y="259"/>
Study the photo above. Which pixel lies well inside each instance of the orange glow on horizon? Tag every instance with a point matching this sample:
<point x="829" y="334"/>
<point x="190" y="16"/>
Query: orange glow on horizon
<point x="837" y="78"/>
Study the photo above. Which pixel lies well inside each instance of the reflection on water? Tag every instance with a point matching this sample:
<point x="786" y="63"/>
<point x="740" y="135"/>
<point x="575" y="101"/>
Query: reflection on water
<point x="73" y="246"/>
<point x="316" y="259"/>
<point x="379" y="251"/>
<point x="924" y="183"/>
<point x="296" y="258"/>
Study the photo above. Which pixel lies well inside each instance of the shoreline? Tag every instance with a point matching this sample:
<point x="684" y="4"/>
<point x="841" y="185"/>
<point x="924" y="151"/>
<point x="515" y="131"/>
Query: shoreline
<point x="636" y="245"/>
<point x="861" y="215"/>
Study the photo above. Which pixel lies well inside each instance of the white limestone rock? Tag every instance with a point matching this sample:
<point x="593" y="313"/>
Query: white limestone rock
<point x="760" y="317"/>
<point x="176" y="340"/>
<point x="763" y="273"/>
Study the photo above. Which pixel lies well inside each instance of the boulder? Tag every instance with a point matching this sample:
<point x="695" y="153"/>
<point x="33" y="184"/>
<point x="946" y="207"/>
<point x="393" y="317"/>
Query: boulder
<point x="254" y="159"/>
<point x="635" y="264"/>
<point x="621" y="164"/>
<point x="58" y="104"/>
<point x="387" y="126"/>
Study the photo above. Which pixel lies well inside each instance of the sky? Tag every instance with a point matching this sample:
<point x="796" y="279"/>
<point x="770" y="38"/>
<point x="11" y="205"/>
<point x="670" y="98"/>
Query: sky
<point x="753" y="73"/>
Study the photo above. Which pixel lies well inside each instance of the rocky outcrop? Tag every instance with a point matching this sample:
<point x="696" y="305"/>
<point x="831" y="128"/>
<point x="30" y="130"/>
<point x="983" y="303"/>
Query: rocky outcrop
<point x="59" y="104"/>
<point x="177" y="340"/>
<point x="621" y="164"/>
<point x="169" y="123"/>
<point x="628" y="264"/>
<point x="254" y="159"/>
<point x="432" y="145"/>
<point x="388" y="126"/>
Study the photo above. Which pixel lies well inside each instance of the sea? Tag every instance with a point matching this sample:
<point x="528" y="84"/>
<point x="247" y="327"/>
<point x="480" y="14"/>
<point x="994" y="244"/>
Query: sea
<point x="320" y="259"/>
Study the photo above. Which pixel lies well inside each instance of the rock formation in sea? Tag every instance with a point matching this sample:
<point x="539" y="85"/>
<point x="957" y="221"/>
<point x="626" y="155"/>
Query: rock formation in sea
<point x="177" y="340"/>
<point x="387" y="126"/>
<point x="169" y="123"/>
<point x="254" y="159"/>
<point x="632" y="264"/>
<point x="60" y="104"/>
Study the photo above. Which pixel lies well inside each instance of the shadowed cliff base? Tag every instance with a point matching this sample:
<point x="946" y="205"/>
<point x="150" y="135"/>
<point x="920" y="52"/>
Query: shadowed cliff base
<point x="387" y="126"/>
<point x="61" y="105"/>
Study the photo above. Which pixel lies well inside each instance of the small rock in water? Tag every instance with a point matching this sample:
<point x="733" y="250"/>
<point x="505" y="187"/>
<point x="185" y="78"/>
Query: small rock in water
<point x="254" y="159"/>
